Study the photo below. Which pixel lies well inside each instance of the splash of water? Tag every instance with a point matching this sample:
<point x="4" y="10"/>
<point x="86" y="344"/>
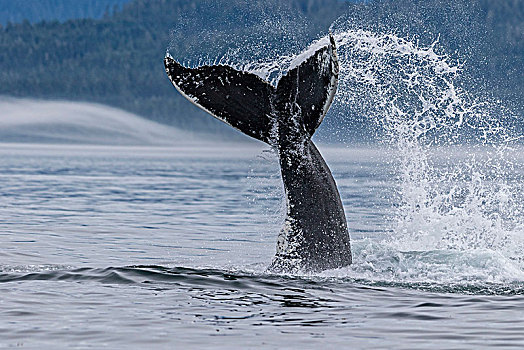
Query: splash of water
<point x="459" y="209"/>
<point x="460" y="187"/>
<point x="459" y="178"/>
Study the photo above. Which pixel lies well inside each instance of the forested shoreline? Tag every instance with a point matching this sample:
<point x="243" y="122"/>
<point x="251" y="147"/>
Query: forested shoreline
<point x="117" y="60"/>
<point x="33" y="11"/>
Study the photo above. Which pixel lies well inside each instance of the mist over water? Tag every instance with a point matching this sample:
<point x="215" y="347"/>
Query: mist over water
<point x="63" y="122"/>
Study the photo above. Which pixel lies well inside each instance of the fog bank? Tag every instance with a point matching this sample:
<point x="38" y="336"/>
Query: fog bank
<point x="38" y="121"/>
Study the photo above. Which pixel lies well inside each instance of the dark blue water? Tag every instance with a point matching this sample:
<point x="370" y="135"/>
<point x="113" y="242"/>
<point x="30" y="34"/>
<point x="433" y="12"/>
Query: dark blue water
<point x="135" y="247"/>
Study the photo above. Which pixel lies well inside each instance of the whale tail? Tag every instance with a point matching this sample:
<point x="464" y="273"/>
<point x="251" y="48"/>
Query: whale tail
<point x="246" y="102"/>
<point x="315" y="235"/>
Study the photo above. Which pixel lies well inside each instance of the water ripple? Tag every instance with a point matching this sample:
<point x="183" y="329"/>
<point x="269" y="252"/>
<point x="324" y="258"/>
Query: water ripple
<point x="206" y="278"/>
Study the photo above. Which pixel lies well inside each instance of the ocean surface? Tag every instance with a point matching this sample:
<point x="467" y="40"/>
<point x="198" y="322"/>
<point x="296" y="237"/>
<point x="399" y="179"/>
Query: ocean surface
<point x="166" y="248"/>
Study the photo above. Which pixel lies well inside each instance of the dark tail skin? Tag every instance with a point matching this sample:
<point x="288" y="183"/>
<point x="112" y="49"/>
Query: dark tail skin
<point x="315" y="235"/>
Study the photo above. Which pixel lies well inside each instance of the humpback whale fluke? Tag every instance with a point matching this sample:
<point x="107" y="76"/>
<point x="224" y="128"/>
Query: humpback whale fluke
<point x="315" y="235"/>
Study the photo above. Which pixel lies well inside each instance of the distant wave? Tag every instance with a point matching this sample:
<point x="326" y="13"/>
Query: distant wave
<point x="62" y="122"/>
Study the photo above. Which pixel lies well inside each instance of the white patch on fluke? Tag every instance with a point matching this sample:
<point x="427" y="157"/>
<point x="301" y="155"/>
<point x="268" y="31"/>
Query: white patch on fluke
<point x="310" y="51"/>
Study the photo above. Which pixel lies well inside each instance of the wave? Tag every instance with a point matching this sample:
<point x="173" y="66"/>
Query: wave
<point x="166" y="277"/>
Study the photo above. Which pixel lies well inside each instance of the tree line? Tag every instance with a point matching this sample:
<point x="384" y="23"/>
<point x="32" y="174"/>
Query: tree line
<point x="118" y="59"/>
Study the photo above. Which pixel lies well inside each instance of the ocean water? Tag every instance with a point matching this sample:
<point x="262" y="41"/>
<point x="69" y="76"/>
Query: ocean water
<point x="166" y="248"/>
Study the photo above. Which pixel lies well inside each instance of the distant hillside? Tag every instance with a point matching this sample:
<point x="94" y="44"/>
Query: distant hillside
<point x="117" y="59"/>
<point x="16" y="11"/>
